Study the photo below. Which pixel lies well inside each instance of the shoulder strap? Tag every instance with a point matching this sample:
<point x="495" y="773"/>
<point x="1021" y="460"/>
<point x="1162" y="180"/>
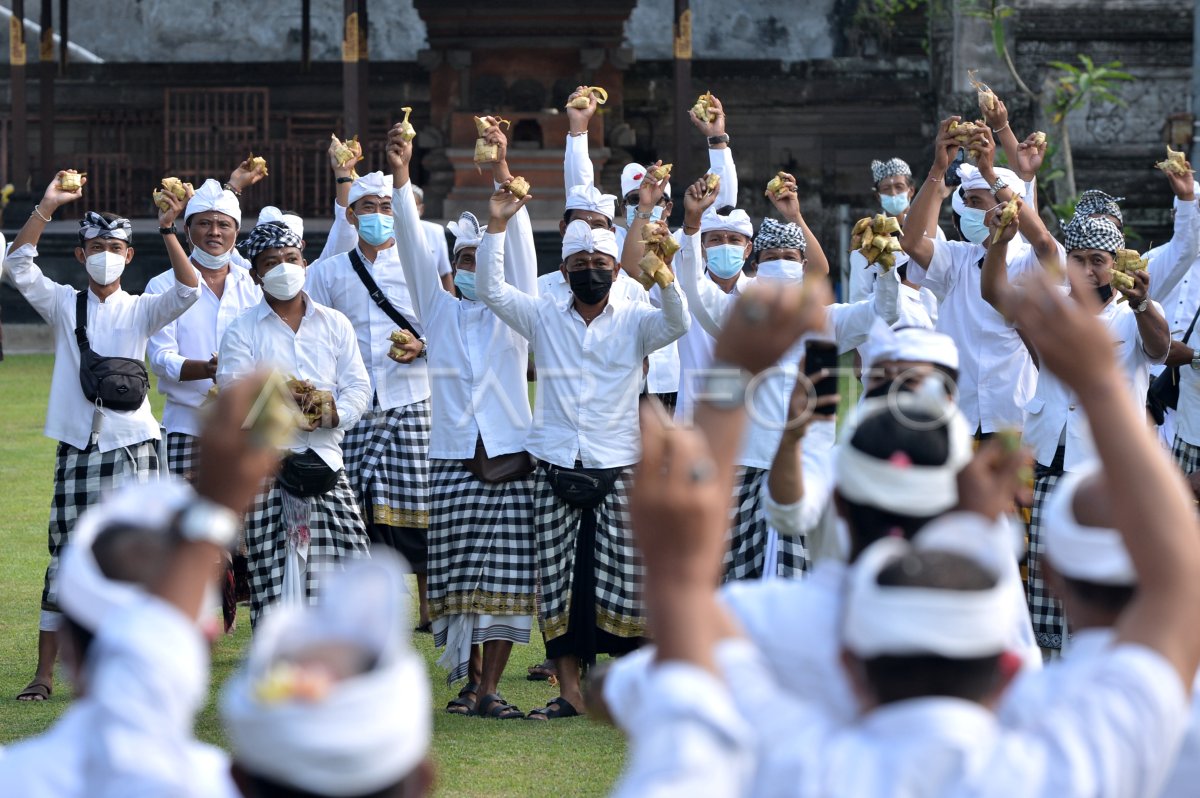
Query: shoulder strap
<point x="1191" y="327"/>
<point x="377" y="295"/>
<point x="81" y="319"/>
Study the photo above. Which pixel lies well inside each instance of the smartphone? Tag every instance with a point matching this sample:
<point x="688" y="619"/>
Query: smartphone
<point x="818" y="356"/>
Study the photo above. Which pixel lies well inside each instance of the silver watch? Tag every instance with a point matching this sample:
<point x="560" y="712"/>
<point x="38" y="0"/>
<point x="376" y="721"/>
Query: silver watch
<point x="999" y="184"/>
<point x="204" y="521"/>
<point x="1141" y="308"/>
<point x="1196" y="360"/>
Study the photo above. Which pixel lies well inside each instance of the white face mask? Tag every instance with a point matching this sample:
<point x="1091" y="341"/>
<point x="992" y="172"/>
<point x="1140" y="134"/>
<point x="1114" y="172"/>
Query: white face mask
<point x="105" y="267"/>
<point x="791" y="271"/>
<point x="284" y="281"/>
<point x="211" y="261"/>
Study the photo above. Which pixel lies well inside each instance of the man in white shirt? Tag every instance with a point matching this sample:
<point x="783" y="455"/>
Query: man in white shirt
<point x="387" y="452"/>
<point x="589" y="352"/>
<point x="117" y="548"/>
<point x="1055" y="427"/>
<point x="482" y="563"/>
<point x="99" y="446"/>
<point x="306" y="521"/>
<point x="435" y="237"/>
<point x="183" y="354"/>
<point x="996" y="374"/>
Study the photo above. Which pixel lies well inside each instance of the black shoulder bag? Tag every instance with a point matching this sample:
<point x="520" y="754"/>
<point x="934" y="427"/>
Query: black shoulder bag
<point x="118" y="383"/>
<point x="1164" y="389"/>
<point x="378" y="297"/>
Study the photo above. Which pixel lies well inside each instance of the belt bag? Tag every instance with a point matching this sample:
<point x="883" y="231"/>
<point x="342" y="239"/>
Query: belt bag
<point x="584" y="488"/>
<point x="118" y="383"/>
<point x="306" y="474"/>
<point x="501" y="468"/>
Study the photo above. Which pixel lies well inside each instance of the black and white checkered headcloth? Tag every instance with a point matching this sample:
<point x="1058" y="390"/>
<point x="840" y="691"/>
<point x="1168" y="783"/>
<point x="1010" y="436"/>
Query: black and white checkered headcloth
<point x="1093" y="201"/>
<point x="1089" y="232"/>
<point x="268" y="235"/>
<point x="778" y="235"/>
<point x="894" y="166"/>
<point x="93" y="225"/>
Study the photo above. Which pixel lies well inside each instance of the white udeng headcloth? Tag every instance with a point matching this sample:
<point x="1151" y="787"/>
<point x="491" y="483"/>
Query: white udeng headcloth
<point x="212" y="197"/>
<point x="590" y="198"/>
<point x="909" y="343"/>
<point x="914" y="621"/>
<point x="971" y="179"/>
<point x="84" y="592"/>
<point x="582" y="237"/>
<point x="1088" y="553"/>
<point x="736" y="221"/>
<point x="365" y="732"/>
<point x="466" y="231"/>
<point x="270" y="213"/>
<point x="896" y="484"/>
<point x="372" y="184"/>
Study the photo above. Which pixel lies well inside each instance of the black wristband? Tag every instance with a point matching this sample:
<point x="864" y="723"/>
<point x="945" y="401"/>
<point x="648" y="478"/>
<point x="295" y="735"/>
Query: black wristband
<point x="167" y="231"/>
<point x="341" y="180"/>
<point x="721" y="139"/>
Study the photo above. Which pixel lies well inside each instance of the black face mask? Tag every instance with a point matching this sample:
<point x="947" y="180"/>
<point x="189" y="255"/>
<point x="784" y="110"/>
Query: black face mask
<point x="590" y="286"/>
<point x="1104" y="292"/>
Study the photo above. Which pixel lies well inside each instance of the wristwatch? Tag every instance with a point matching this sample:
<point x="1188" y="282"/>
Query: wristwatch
<point x="424" y="348"/>
<point x="999" y="184"/>
<point x="205" y="521"/>
<point x="721" y="139"/>
<point x="167" y="231"/>
<point x="341" y="180"/>
<point x="1142" y="307"/>
<point x="647" y="215"/>
<point x="1196" y="359"/>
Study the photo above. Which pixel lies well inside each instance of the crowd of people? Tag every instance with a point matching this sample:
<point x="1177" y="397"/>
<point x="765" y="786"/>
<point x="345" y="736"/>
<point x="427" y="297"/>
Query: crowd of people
<point x="786" y="608"/>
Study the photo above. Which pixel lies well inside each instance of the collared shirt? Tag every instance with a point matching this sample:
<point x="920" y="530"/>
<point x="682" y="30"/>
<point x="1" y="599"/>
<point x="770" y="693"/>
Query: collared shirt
<point x="1174" y="280"/>
<point x="589" y="375"/>
<point x="477" y="367"/>
<point x="996" y="377"/>
<point x="1187" y="424"/>
<point x="150" y="679"/>
<point x="323" y="351"/>
<point x="343" y="237"/>
<point x="333" y="282"/>
<point x="1054" y="406"/>
<point x="624" y="287"/>
<point x="810" y="516"/>
<point x="120" y="326"/>
<point x="195" y="336"/>
<point x="846" y="325"/>
<point x="695" y="355"/>
<point x="1114" y="733"/>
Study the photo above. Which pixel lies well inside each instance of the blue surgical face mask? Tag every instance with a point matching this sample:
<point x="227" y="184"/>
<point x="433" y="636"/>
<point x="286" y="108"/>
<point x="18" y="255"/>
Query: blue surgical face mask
<point x="376" y="228"/>
<point x="894" y="204"/>
<point x="970" y="221"/>
<point x="725" y="260"/>
<point x="630" y="210"/>
<point x="465" y="282"/>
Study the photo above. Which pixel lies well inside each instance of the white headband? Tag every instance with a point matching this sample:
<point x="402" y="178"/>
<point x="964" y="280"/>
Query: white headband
<point x="913" y="621"/>
<point x="971" y="180"/>
<point x="367" y="731"/>
<point x="897" y="485"/>
<point x="582" y="237"/>
<point x="1088" y="553"/>
<point x="908" y="343"/>
<point x="589" y="198"/>
<point x="211" y="197"/>
<point x="272" y="214"/>
<point x="84" y="592"/>
<point x="631" y="179"/>
<point x="372" y="184"/>
<point x="736" y="221"/>
<point x="466" y="231"/>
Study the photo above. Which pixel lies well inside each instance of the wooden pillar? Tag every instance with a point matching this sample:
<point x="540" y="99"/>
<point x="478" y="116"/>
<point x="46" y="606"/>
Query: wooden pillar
<point x="47" y="67"/>
<point x="354" y="67"/>
<point x="20" y="110"/>
<point x="683" y="88"/>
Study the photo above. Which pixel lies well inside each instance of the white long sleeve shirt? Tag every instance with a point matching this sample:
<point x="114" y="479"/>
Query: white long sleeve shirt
<point x="120" y="326"/>
<point x="589" y="375"/>
<point x="1055" y="407"/>
<point x="477" y="367"/>
<point x="195" y="335"/>
<point x="1174" y="279"/>
<point x="343" y="237"/>
<point x="333" y="282"/>
<point x="695" y="355"/>
<point x="323" y="351"/>
<point x="803" y="517"/>
<point x="996" y="377"/>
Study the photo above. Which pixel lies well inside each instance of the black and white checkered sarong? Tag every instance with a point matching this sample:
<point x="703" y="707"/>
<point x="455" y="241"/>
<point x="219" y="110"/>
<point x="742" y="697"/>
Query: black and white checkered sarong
<point x="746" y="556"/>
<point x="387" y="462"/>
<point x="618" y="567"/>
<point x="182" y="454"/>
<point x="1045" y="611"/>
<point x="481" y="548"/>
<point x="1186" y="455"/>
<point x="336" y="532"/>
<point x="82" y="478"/>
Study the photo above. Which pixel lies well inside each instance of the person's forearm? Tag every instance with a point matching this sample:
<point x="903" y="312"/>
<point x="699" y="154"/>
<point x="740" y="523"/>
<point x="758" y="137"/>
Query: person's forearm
<point x="633" y="249"/>
<point x="922" y="216"/>
<point x="817" y="264"/>
<point x="682" y="618"/>
<point x="1180" y="354"/>
<point x="785" y="480"/>
<point x="994" y="281"/>
<point x="723" y="429"/>
<point x="1008" y="141"/>
<point x="342" y="189"/>
<point x="1154" y="332"/>
<point x="194" y="370"/>
<point x="185" y="272"/>
<point x="500" y="172"/>
<point x="31" y="231"/>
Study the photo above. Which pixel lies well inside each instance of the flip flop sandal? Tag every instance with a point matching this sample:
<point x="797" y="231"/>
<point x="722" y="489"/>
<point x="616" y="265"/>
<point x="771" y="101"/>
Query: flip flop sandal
<point x="554" y="709"/>
<point x="494" y="706"/>
<point x="466" y="702"/>
<point x="35" y="691"/>
<point x="541" y="672"/>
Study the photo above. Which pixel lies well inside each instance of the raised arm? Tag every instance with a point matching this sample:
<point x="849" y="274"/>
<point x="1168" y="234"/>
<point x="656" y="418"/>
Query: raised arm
<point x="417" y="261"/>
<point x="649" y="193"/>
<point x="997" y="119"/>
<point x="39" y="290"/>
<point x="787" y="202"/>
<point x="342" y="235"/>
<point x="720" y="156"/>
<point x="159" y="310"/>
<point x="577" y="162"/>
<point x="1175" y="259"/>
<point x="512" y="306"/>
<point x="787" y="483"/>
<point x="1151" y="505"/>
<point x="1032" y="227"/>
<point x="923" y="213"/>
<point x="995" y="287"/>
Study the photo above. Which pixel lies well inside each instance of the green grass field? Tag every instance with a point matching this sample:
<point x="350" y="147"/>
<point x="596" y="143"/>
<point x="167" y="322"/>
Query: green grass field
<point x="473" y="756"/>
